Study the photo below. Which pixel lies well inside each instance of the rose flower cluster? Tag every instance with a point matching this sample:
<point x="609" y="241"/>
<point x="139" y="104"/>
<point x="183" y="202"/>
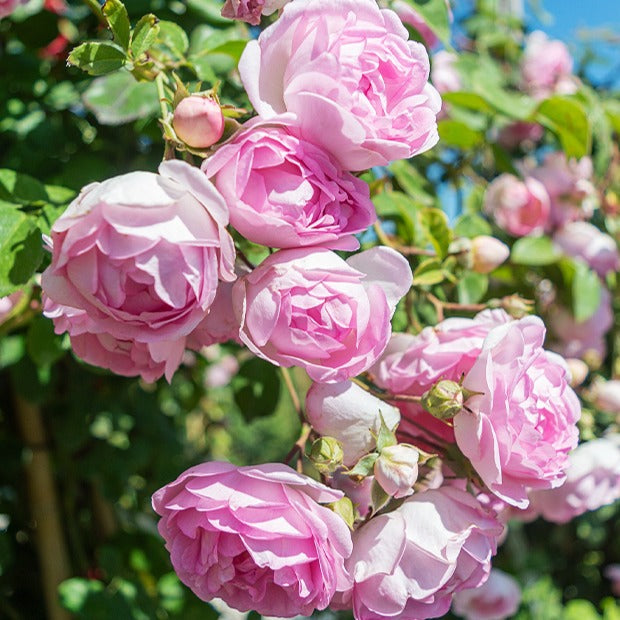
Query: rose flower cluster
<point x="421" y="444"/>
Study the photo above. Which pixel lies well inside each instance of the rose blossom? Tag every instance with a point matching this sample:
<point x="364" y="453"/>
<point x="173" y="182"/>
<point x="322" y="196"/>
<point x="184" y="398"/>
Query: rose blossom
<point x="496" y="599"/>
<point x="8" y="304"/>
<point x="8" y="6"/>
<point x="396" y="469"/>
<point x="592" y="481"/>
<point x="607" y="395"/>
<point x="517" y="432"/>
<point x="408" y="563"/>
<point x="315" y="310"/>
<point x="546" y="66"/>
<point x="135" y="267"/>
<point x="569" y="186"/>
<point x="585" y="339"/>
<point x="444" y="75"/>
<point x="251" y="10"/>
<point x="256" y="537"/>
<point x="585" y="241"/>
<point x="346" y="70"/>
<point x="487" y="253"/>
<point x="349" y="414"/>
<point x="284" y="192"/>
<point x="520" y="133"/>
<point x="518" y="207"/>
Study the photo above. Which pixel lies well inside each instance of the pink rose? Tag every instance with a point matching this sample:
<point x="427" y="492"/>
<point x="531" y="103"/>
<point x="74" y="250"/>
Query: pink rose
<point x="518" y="431"/>
<point x="8" y="6"/>
<point x="315" y="310"/>
<point x="606" y="395"/>
<point x="8" y="304"/>
<point x="518" y="207"/>
<point x="413" y="364"/>
<point x="593" y="480"/>
<point x="444" y="75"/>
<point x="256" y="537"/>
<point x="284" y="192"/>
<point x="198" y="121"/>
<point x="585" y="241"/>
<point x="346" y="70"/>
<point x="612" y="572"/>
<point x="497" y="598"/>
<point x="349" y="414"/>
<point x="396" y="469"/>
<point x="569" y="186"/>
<point x="136" y="262"/>
<point x="585" y="339"/>
<point x="546" y="66"/>
<point x="518" y="133"/>
<point x="251" y="10"/>
<point x="409" y="562"/>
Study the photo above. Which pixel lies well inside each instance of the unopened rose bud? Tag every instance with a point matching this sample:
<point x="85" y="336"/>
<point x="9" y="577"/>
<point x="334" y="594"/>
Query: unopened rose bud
<point x="444" y="400"/>
<point x="607" y="395"/>
<point x="396" y="469"/>
<point x="198" y="121"/>
<point x="516" y="306"/>
<point x="488" y="253"/>
<point x="326" y="454"/>
<point x="578" y="371"/>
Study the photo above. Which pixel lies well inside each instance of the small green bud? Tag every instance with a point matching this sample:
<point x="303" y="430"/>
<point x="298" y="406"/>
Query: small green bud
<point x="326" y="454"/>
<point x="516" y="306"/>
<point x="344" y="508"/>
<point x="444" y="400"/>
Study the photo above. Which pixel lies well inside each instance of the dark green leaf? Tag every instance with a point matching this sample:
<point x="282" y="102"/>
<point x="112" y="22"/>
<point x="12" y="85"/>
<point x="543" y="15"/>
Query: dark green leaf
<point x="118" y="20"/>
<point x="256" y="388"/>
<point x="534" y="251"/>
<point x="568" y="120"/>
<point x="97" y="58"/>
<point x="42" y="344"/>
<point x="144" y="34"/>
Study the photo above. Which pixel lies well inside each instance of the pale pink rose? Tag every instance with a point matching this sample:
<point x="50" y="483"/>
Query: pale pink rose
<point x="409" y="562"/>
<point x="606" y="395"/>
<point x="497" y="598"/>
<point x="520" y="207"/>
<point x="546" y="66"/>
<point x="136" y="262"/>
<point x="411" y="17"/>
<point x="520" y="133"/>
<point x="487" y="253"/>
<point x="198" y="121"/>
<point x="413" y="364"/>
<point x="8" y="304"/>
<point x="256" y="537"/>
<point x="396" y="469"/>
<point x="349" y="414"/>
<point x="584" y="240"/>
<point x="365" y="99"/>
<point x="578" y="371"/>
<point x="8" y="6"/>
<point x="284" y="192"/>
<point x="251" y="10"/>
<point x="612" y="572"/>
<point x="569" y="186"/>
<point x="444" y="74"/>
<point x="593" y="480"/>
<point x="585" y="339"/>
<point x="518" y="431"/>
<point x="315" y="310"/>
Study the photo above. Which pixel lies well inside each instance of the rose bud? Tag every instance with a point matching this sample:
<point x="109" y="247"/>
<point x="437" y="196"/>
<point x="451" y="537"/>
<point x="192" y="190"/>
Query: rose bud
<point x="326" y="454"/>
<point x="607" y="395"/>
<point x="396" y="469"/>
<point x="488" y="253"/>
<point x="198" y="121"/>
<point x="578" y="370"/>
<point x="444" y="400"/>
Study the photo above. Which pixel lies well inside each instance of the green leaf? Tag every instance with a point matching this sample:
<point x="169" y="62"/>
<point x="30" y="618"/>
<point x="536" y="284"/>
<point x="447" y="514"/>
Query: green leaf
<point x="412" y="182"/>
<point x="401" y="208"/>
<point x="234" y="49"/>
<point x="118" y="20"/>
<point x="19" y="188"/>
<point x="568" y="120"/>
<point x="386" y="436"/>
<point x="585" y="292"/>
<point x="436" y="15"/>
<point x="364" y="466"/>
<point x="144" y="34"/>
<point x="580" y="610"/>
<point x="428" y="272"/>
<point x="21" y="248"/>
<point x="435" y="225"/>
<point x="471" y="225"/>
<point x="75" y="592"/>
<point x="42" y="344"/>
<point x="12" y="349"/>
<point x="256" y="388"/>
<point x="612" y="110"/>
<point x="534" y="251"/>
<point x="468" y="100"/>
<point x="173" y="37"/>
<point x="472" y="287"/>
<point x="458" y="134"/>
<point x="116" y="99"/>
<point x="208" y="10"/>
<point x="97" y="58"/>
<point x="378" y="496"/>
